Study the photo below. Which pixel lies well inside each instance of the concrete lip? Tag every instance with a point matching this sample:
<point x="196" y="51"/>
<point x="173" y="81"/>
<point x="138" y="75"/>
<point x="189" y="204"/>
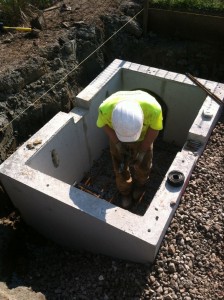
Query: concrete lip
<point x="39" y="176"/>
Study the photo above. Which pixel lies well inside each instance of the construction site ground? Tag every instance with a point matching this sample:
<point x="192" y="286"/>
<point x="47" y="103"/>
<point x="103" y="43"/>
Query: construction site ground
<point x="190" y="262"/>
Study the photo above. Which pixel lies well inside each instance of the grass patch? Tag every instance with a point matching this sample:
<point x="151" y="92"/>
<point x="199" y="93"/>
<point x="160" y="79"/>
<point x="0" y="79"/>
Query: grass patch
<point x="212" y="6"/>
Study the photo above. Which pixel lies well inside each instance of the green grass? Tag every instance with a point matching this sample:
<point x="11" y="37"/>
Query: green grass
<point x="212" y="6"/>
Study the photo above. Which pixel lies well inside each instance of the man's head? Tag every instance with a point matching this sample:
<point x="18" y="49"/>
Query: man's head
<point x="127" y="120"/>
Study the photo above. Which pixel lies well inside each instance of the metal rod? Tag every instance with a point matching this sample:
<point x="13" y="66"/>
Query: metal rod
<point x="213" y="96"/>
<point x="88" y="189"/>
<point x="113" y="197"/>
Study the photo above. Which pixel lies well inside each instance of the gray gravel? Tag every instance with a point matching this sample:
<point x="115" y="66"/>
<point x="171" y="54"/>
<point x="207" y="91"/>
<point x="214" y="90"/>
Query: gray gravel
<point x="189" y="264"/>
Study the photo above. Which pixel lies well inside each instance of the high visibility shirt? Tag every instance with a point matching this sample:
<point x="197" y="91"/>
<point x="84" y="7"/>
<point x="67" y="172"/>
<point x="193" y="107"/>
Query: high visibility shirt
<point x="151" y="109"/>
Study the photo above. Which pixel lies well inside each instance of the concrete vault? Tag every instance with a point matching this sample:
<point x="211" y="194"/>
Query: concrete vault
<point x="39" y="177"/>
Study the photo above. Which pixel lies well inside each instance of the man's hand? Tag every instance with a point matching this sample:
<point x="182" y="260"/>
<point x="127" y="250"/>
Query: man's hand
<point x="139" y="157"/>
<point x="121" y="149"/>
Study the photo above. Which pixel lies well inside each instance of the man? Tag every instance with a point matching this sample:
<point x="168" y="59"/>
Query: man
<point x="131" y="120"/>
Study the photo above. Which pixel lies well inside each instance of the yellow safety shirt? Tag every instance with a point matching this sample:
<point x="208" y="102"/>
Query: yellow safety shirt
<point x="151" y="109"/>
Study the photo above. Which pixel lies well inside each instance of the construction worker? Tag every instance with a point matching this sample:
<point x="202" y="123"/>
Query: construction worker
<point x="131" y="120"/>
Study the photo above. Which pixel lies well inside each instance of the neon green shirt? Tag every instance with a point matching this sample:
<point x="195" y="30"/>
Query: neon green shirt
<point x="151" y="109"/>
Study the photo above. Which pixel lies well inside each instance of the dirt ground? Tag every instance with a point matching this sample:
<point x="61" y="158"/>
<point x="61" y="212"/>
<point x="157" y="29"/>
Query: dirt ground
<point x="33" y="268"/>
<point x="100" y="180"/>
<point x="17" y="47"/>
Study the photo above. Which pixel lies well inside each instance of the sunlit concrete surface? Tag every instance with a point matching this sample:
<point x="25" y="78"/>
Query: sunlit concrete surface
<point x="39" y="176"/>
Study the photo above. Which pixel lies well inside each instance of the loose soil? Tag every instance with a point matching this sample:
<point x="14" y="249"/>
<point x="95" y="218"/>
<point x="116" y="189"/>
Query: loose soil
<point x="17" y="47"/>
<point x="189" y="264"/>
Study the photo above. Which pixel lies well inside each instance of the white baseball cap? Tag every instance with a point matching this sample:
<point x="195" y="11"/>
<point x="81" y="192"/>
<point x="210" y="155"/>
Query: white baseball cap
<point x="127" y="120"/>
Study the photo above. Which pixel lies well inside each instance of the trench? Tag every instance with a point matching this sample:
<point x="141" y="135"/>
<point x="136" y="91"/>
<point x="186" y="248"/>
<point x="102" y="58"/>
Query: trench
<point x="202" y="59"/>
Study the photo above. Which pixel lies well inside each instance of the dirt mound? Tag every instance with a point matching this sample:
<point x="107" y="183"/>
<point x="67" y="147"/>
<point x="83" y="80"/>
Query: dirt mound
<point x="17" y="47"/>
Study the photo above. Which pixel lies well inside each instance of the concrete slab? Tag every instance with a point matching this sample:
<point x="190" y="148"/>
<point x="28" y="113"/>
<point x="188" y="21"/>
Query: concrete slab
<point x="39" y="176"/>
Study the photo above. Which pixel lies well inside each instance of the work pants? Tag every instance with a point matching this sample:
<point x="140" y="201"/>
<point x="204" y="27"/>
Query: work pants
<point x="132" y="174"/>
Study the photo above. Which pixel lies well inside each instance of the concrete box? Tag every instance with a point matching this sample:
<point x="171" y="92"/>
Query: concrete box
<point x="39" y="176"/>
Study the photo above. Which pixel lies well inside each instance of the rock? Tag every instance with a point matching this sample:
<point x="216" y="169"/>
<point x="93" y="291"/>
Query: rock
<point x="38" y="22"/>
<point x="168" y="297"/>
<point x="69" y="48"/>
<point x="175" y="276"/>
<point x="130" y="8"/>
<point x="133" y="28"/>
<point x="65" y="7"/>
<point x="171" y="268"/>
<point x="159" y="290"/>
<point x="35" y="33"/>
<point x="152" y="279"/>
<point x="171" y="249"/>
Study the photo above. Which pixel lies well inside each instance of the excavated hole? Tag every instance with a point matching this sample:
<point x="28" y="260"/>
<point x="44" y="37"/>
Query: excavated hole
<point x="100" y="180"/>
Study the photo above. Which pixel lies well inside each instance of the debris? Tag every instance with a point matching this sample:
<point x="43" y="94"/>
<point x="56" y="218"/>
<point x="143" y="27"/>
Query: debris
<point x="65" y="24"/>
<point x="51" y="8"/>
<point x="31" y="145"/>
<point x="34" y="33"/>
<point x="172" y="202"/>
<point x="7" y="41"/>
<point x="65" y="7"/>
<point x="38" y="23"/>
<point x="35" y="43"/>
<point x="37" y="142"/>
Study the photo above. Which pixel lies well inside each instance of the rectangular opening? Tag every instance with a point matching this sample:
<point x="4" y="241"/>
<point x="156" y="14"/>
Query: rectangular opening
<point x="76" y="159"/>
<point x="100" y="180"/>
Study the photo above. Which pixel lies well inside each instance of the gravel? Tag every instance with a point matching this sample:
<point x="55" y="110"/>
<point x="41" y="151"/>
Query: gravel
<point x="189" y="264"/>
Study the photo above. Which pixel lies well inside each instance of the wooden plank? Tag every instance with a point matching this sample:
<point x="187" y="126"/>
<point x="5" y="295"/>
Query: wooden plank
<point x="145" y="16"/>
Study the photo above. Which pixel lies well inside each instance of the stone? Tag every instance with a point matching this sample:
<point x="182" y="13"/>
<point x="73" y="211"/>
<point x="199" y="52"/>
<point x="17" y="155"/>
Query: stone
<point x="171" y="268"/>
<point x="168" y="297"/>
<point x="171" y="249"/>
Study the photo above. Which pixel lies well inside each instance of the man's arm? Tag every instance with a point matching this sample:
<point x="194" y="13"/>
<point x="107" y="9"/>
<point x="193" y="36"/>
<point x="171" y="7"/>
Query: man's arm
<point x="114" y="139"/>
<point x="150" y="137"/>
<point x="111" y="134"/>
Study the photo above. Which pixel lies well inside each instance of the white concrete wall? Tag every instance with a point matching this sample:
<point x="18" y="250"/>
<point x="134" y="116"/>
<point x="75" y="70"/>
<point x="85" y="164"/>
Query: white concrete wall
<point x="79" y="142"/>
<point x="182" y="100"/>
<point x="42" y="189"/>
<point x="60" y="156"/>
